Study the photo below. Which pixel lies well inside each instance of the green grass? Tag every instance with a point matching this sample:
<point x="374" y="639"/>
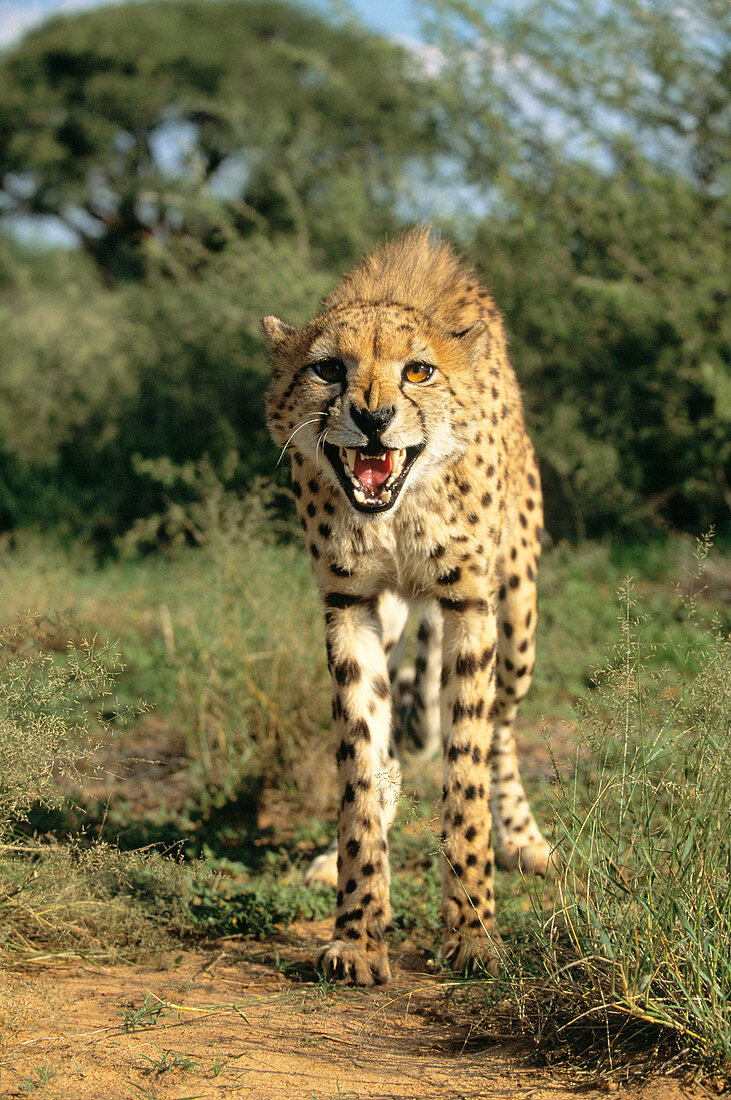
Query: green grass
<point x="624" y="961"/>
<point x="224" y="642"/>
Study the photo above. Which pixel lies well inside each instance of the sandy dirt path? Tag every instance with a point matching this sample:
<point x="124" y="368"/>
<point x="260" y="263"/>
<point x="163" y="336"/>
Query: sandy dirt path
<point x="250" y="1020"/>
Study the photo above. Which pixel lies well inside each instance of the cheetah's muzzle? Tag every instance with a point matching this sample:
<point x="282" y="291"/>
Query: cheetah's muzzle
<point x="372" y="482"/>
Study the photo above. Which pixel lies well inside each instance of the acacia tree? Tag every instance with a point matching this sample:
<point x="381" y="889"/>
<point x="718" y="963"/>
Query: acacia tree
<point x="208" y="119"/>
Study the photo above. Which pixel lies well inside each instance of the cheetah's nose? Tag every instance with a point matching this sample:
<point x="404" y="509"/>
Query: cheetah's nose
<point x="372" y="423"/>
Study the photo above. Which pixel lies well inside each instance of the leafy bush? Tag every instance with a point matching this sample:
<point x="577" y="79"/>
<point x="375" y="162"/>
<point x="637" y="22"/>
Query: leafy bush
<point x="45" y="722"/>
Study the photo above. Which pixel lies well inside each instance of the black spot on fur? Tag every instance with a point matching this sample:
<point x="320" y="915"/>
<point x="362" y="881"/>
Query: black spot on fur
<point x="347" y="672"/>
<point x="344" y="751"/>
<point x="348" y="918"/>
<point x="341" y="600"/>
<point x="450" y="578"/>
<point x="360" y="730"/>
<point x="339" y="570"/>
<point x="464" y="605"/>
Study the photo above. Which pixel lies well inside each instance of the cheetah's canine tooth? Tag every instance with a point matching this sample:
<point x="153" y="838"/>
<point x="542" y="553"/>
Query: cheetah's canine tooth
<point x="347" y="455"/>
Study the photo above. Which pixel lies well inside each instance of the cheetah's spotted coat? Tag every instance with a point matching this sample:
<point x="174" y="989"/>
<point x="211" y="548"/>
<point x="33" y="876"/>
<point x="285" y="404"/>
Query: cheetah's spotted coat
<point x="416" y="481"/>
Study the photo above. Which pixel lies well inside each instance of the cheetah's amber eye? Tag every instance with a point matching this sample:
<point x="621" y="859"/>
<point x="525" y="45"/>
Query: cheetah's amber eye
<point x="417" y="372"/>
<point x="329" y="370"/>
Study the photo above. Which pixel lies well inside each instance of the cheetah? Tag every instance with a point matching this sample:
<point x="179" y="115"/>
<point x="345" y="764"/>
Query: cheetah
<point x="416" y="484"/>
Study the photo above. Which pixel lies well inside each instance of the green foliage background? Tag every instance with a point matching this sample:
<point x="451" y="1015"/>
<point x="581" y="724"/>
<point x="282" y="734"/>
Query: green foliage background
<point x="221" y="160"/>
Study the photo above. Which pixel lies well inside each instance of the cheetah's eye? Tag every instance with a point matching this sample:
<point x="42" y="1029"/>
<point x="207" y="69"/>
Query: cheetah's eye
<point x="417" y="372"/>
<point x="329" y="370"/>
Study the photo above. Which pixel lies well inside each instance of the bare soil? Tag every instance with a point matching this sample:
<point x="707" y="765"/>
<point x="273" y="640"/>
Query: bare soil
<point x="249" y="1019"/>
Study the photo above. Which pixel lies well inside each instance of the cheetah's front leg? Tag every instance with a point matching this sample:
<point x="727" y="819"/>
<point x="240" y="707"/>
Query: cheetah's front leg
<point x="366" y="785"/>
<point x="468" y="679"/>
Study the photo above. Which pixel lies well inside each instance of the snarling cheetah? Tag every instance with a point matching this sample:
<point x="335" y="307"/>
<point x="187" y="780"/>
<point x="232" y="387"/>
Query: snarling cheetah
<point x="415" y="481"/>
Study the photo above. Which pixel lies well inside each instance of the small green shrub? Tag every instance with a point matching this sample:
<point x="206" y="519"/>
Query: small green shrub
<point x="52" y="684"/>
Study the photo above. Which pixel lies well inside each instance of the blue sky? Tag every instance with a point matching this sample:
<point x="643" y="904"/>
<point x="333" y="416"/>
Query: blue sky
<point x="394" y="17"/>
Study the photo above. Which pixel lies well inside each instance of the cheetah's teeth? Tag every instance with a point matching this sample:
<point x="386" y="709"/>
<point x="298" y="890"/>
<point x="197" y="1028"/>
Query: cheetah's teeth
<point x="398" y="458"/>
<point x="347" y="456"/>
<point x="359" y="496"/>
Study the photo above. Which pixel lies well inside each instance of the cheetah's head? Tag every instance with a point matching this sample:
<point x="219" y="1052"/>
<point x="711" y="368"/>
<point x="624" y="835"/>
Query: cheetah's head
<point x="375" y="394"/>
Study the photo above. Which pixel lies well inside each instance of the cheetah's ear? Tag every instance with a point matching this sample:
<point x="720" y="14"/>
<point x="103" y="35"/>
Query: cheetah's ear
<point x="276" y="332"/>
<point x="473" y="340"/>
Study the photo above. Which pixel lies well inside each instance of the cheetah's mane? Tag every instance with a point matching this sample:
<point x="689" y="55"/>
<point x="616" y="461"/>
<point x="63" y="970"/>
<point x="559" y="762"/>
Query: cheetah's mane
<point x="418" y="269"/>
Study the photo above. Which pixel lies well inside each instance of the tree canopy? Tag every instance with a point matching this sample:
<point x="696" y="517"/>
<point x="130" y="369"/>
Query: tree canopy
<point x="208" y="120"/>
<point x="598" y="135"/>
<point x="218" y="159"/>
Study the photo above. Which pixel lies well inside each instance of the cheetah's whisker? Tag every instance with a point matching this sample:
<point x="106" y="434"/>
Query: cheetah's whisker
<point x="299" y="427"/>
<point x="320" y="440"/>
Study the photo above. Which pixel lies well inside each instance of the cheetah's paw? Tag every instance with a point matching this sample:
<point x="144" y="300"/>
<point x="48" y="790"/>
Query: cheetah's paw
<point x="324" y="868"/>
<point x="537" y="858"/>
<point x="345" y="962"/>
<point x="474" y="954"/>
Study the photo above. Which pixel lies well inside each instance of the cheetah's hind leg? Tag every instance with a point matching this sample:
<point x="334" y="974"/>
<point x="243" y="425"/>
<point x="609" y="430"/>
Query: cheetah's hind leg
<point x="519" y="843"/>
<point x="416" y="692"/>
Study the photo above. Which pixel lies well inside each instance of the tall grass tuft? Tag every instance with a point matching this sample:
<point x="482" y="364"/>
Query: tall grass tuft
<point x="247" y="646"/>
<point x="637" y="950"/>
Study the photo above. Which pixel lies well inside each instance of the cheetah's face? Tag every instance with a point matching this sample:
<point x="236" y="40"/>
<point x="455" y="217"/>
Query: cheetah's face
<point x="373" y="394"/>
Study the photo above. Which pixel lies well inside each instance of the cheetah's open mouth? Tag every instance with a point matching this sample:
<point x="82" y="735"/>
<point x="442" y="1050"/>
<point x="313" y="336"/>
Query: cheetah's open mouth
<point x="372" y="482"/>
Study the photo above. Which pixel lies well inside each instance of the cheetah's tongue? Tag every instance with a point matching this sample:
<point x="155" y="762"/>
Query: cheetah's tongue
<point x="372" y="470"/>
